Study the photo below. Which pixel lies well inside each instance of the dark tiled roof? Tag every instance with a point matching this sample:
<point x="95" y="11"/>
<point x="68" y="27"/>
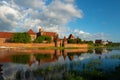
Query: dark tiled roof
<point x="6" y="34"/>
<point x="71" y="36"/>
<point x="98" y="41"/>
<point x="31" y="32"/>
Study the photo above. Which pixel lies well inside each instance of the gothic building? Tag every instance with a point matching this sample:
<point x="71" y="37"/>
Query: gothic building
<point x="5" y="36"/>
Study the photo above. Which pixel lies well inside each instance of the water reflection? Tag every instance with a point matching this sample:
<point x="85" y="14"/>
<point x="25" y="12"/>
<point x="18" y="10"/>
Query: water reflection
<point x="41" y="56"/>
<point x="36" y="64"/>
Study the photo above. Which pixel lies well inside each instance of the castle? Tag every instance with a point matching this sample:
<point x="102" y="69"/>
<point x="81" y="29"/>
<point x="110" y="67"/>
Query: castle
<point x="5" y="36"/>
<point x="55" y="40"/>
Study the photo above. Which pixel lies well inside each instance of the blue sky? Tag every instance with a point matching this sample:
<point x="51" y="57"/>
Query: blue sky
<point x="87" y="19"/>
<point x="100" y="16"/>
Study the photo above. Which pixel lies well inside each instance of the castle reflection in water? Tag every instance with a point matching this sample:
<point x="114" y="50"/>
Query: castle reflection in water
<point x="52" y="55"/>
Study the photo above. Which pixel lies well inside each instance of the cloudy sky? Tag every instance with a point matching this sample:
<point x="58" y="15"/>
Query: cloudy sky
<point x="87" y="19"/>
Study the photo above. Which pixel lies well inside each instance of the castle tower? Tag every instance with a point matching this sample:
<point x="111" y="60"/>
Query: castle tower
<point x="40" y="31"/>
<point x="56" y="41"/>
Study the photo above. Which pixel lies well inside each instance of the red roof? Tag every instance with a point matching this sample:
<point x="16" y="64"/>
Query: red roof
<point x="31" y="32"/>
<point x="6" y="34"/>
<point x="49" y="33"/>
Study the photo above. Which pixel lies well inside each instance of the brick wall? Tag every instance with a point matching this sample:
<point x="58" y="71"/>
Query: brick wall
<point x="26" y="45"/>
<point x="39" y="45"/>
<point x="2" y="40"/>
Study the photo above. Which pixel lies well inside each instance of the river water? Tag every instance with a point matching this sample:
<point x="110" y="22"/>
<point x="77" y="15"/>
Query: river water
<point x="22" y="64"/>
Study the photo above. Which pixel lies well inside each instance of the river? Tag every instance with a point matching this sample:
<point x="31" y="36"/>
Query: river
<point x="29" y="64"/>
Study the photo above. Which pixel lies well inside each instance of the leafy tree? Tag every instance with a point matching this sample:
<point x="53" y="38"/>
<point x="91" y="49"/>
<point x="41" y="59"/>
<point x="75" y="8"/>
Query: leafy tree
<point x="71" y="41"/>
<point x="88" y="42"/>
<point x="79" y="40"/>
<point x="40" y="39"/>
<point x="48" y="39"/>
<point x="21" y="38"/>
<point x="113" y="44"/>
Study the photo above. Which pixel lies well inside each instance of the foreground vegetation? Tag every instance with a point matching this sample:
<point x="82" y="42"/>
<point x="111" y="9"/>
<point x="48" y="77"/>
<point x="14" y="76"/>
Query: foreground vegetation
<point x="113" y="46"/>
<point x="60" y="72"/>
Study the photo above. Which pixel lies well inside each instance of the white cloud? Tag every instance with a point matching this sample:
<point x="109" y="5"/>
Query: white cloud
<point x="30" y="23"/>
<point x="34" y="13"/>
<point x="88" y="36"/>
<point x="63" y="31"/>
<point x="34" y="4"/>
<point x="8" y="17"/>
<point x="69" y="1"/>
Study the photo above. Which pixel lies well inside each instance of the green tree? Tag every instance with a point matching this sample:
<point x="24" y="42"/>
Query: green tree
<point x="21" y="38"/>
<point x="48" y="39"/>
<point x="71" y="41"/>
<point x="79" y="40"/>
<point x="40" y="39"/>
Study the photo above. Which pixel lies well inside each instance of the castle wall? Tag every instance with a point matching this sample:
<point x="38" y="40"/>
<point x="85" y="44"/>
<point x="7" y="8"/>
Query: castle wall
<point x="27" y="45"/>
<point x="41" y="45"/>
<point x="58" y="43"/>
<point x="2" y="40"/>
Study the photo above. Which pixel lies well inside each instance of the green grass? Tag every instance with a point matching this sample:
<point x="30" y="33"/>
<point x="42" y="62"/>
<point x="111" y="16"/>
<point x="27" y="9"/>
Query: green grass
<point x="46" y="48"/>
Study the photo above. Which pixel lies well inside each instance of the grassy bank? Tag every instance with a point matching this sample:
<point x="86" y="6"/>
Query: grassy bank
<point x="60" y="48"/>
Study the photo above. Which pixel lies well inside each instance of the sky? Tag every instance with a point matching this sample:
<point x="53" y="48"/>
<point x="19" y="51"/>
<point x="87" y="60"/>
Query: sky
<point x="87" y="19"/>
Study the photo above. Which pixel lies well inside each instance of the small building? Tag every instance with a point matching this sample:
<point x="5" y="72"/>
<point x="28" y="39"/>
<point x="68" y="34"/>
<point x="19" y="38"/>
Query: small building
<point x="105" y="42"/>
<point x="98" y="41"/>
<point x="101" y="42"/>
